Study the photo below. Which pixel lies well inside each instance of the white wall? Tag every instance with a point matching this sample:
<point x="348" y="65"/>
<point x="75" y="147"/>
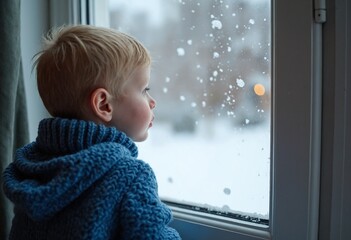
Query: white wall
<point x="34" y="23"/>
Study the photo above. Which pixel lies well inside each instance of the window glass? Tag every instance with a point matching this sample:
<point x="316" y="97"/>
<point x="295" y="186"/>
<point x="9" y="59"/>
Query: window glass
<point x="211" y="77"/>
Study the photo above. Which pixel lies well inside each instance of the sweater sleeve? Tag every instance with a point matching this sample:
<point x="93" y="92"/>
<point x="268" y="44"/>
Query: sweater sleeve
<point x="142" y="214"/>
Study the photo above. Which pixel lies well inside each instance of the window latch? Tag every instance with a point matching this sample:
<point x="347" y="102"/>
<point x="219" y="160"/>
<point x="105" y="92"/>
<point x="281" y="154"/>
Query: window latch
<point x="320" y="11"/>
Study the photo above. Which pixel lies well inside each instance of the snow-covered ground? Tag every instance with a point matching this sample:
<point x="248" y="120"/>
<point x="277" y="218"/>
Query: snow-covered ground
<point x="218" y="166"/>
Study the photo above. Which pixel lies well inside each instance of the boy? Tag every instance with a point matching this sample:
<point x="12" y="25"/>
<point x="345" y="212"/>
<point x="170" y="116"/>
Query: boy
<point x="80" y="179"/>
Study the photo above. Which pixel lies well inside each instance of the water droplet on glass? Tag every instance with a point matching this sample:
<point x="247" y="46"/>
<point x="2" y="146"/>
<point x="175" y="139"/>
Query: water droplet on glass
<point x="227" y="191"/>
<point x="225" y="208"/>
<point x="251" y="21"/>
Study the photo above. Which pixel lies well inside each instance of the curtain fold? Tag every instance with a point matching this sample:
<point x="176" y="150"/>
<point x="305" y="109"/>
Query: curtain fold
<point x="13" y="110"/>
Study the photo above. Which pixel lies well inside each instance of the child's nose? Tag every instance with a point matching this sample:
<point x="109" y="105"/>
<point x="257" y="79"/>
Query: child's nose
<point x="152" y="103"/>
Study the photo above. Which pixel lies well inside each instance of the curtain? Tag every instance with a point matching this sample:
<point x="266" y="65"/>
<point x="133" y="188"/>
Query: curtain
<point x="13" y="110"/>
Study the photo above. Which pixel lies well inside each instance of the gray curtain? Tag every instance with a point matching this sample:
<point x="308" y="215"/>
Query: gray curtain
<point x="13" y="110"/>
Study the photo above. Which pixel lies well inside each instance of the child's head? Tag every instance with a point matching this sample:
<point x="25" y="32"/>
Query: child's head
<point x="76" y="60"/>
<point x="97" y="74"/>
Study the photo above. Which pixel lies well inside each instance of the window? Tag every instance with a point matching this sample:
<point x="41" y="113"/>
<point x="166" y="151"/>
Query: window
<point x="294" y="174"/>
<point x="210" y="144"/>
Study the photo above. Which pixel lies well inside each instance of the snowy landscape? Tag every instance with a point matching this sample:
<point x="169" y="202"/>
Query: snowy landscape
<point x="221" y="167"/>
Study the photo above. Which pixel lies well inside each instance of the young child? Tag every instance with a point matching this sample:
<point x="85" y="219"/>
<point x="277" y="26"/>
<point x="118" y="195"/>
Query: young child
<point x="81" y="178"/>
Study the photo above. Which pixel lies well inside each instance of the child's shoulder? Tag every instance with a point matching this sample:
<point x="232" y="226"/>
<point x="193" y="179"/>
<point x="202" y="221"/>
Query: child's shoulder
<point x="135" y="165"/>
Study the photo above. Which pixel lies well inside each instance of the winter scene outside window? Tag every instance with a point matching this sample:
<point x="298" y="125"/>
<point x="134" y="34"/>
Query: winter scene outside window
<point x="211" y="77"/>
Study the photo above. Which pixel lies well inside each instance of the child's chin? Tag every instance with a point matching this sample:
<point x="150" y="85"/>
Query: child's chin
<point x="141" y="138"/>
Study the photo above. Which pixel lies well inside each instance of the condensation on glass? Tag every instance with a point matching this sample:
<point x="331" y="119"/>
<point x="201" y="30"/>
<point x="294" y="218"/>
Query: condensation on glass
<point x="211" y="77"/>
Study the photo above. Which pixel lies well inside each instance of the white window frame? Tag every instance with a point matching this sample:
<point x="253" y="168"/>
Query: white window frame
<point x="299" y="210"/>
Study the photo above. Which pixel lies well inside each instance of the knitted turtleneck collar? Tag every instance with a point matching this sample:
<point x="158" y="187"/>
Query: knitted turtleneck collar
<point x="67" y="158"/>
<point x="64" y="136"/>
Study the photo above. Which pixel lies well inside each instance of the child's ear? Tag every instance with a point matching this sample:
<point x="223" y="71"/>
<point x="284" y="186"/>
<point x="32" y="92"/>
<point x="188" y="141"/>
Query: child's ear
<point x="100" y="102"/>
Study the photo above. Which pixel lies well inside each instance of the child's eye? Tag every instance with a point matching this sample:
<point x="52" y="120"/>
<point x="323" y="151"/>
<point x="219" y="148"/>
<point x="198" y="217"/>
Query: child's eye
<point x="146" y="90"/>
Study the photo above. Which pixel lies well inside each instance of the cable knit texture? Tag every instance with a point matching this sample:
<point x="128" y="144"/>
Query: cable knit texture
<point x="80" y="180"/>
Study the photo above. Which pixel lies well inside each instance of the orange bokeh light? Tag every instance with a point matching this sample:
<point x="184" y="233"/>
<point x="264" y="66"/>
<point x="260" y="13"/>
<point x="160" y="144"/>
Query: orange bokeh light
<point x="259" y="89"/>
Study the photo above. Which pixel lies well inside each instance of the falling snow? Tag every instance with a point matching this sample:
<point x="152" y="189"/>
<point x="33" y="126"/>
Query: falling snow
<point x="180" y="51"/>
<point x="216" y="24"/>
<point x="240" y="82"/>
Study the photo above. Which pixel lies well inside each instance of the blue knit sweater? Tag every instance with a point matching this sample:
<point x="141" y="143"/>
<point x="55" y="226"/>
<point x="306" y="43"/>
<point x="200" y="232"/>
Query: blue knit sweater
<point x="80" y="180"/>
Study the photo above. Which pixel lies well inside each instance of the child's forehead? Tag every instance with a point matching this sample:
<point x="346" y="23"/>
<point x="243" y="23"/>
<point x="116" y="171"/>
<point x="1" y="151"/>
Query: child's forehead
<point x="143" y="71"/>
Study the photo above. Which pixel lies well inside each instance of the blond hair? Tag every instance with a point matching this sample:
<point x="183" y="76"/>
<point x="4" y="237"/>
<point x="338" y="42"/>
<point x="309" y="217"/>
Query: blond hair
<point x="78" y="59"/>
